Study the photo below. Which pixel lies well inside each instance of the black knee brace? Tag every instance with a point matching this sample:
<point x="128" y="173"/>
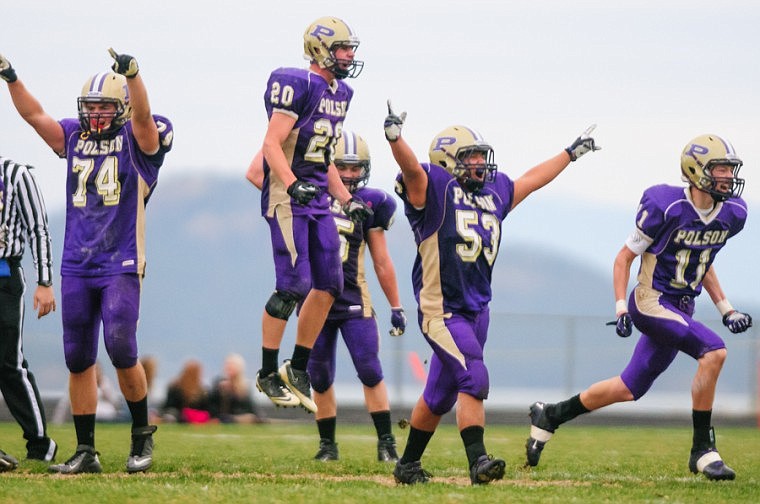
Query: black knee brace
<point x="281" y="304"/>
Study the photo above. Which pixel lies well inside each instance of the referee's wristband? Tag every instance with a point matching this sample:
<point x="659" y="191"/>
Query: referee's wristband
<point x="724" y="307"/>
<point x="621" y="306"/>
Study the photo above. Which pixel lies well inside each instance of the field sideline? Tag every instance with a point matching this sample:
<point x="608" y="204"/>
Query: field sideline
<point x="273" y="463"/>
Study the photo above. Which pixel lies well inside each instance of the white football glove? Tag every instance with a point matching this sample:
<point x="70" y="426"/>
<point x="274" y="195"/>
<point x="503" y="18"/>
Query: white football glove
<point x="393" y="124"/>
<point x="582" y="144"/>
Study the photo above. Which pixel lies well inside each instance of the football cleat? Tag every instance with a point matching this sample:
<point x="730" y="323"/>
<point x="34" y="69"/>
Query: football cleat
<point x="328" y="450"/>
<point x="486" y="469"/>
<point x="410" y="473"/>
<point x="7" y="463"/>
<point x="85" y="460"/>
<point x="141" y="452"/>
<point x="386" y="448"/>
<point x="541" y="430"/>
<point x="297" y="381"/>
<point x="709" y="463"/>
<point x="273" y="387"/>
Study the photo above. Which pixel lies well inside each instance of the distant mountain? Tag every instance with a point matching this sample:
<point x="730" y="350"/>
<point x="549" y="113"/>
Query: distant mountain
<point x="210" y="273"/>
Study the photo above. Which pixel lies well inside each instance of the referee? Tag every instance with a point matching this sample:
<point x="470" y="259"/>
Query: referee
<point x="23" y="218"/>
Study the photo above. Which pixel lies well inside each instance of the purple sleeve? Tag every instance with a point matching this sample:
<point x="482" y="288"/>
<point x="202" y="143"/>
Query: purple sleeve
<point x="383" y="206"/>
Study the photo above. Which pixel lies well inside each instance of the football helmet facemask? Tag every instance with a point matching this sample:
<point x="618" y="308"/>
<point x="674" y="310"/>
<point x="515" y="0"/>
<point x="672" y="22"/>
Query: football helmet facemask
<point x="352" y="150"/>
<point x="322" y="38"/>
<point x="452" y="146"/>
<point x="699" y="157"/>
<point x="108" y="87"/>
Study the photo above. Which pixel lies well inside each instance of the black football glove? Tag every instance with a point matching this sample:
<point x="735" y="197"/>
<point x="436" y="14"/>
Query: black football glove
<point x="623" y="325"/>
<point x="7" y="73"/>
<point x="357" y="210"/>
<point x="124" y="64"/>
<point x="737" y="322"/>
<point x="303" y="192"/>
<point x="582" y="144"/>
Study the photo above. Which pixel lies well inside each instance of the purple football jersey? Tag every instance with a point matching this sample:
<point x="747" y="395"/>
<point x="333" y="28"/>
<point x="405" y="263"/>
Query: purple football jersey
<point x="319" y="109"/>
<point x="458" y="235"/>
<point x="355" y="299"/>
<point x="682" y="243"/>
<point x="108" y="184"/>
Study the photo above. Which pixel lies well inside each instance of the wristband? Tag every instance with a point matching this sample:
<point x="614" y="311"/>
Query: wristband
<point x="724" y="307"/>
<point x="621" y="306"/>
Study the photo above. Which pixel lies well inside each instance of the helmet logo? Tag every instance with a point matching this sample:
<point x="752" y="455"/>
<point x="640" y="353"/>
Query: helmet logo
<point x="697" y="150"/>
<point x="320" y="30"/>
<point x="442" y="142"/>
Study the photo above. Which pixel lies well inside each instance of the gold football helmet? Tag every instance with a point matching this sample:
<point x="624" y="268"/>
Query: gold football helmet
<point x="351" y="149"/>
<point x="108" y="87"/>
<point x="321" y="39"/>
<point x="699" y="157"/>
<point x="453" y="145"/>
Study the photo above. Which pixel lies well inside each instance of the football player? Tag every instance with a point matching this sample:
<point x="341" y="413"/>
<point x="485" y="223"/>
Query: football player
<point x="113" y="153"/>
<point x="352" y="313"/>
<point x="678" y="233"/>
<point x="455" y="205"/>
<point x="306" y="109"/>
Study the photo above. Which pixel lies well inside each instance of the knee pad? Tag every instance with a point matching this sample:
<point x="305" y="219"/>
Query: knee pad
<point x="477" y="382"/>
<point x="321" y="376"/>
<point x="369" y="371"/>
<point x="281" y="304"/>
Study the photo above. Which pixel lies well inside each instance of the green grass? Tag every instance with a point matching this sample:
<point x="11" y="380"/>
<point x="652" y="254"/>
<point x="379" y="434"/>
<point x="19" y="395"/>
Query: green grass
<point x="272" y="463"/>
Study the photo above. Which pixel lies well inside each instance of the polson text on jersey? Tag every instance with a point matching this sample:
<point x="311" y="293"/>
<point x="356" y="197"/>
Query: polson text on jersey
<point x="333" y="108"/>
<point x="99" y="147"/>
<point x="700" y="237"/>
<point x="482" y="201"/>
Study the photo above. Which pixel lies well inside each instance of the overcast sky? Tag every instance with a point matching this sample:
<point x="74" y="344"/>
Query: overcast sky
<point x="530" y="75"/>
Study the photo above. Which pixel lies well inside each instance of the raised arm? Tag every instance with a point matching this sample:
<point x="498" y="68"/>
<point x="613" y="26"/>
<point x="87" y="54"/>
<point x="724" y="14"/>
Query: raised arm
<point x="143" y="125"/>
<point x="415" y="178"/>
<point x="540" y="175"/>
<point x="31" y="110"/>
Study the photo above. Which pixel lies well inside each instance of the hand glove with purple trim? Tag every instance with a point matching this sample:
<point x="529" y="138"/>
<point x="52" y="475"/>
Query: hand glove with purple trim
<point x="357" y="210"/>
<point x="737" y="322"/>
<point x="398" y="321"/>
<point x="623" y="325"/>
<point x="582" y="144"/>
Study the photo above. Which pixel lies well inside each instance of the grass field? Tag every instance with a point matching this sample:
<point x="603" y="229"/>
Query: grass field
<point x="273" y="463"/>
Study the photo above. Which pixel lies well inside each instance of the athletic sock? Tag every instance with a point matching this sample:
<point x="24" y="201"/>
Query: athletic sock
<point x="85" y="429"/>
<point x="326" y="428"/>
<point x="701" y="421"/>
<point x="269" y="358"/>
<point x="382" y="421"/>
<point x="473" y="443"/>
<point x="415" y="445"/>
<point x="566" y="410"/>
<point x="300" y="357"/>
<point x="139" y="412"/>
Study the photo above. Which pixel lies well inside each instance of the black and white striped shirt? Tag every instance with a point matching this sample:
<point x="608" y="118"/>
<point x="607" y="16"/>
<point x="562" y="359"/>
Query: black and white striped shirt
<point x="23" y="218"/>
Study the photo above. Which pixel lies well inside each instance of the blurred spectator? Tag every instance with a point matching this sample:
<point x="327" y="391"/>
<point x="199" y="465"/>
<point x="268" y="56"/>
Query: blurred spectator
<point x="187" y="397"/>
<point x="230" y="399"/>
